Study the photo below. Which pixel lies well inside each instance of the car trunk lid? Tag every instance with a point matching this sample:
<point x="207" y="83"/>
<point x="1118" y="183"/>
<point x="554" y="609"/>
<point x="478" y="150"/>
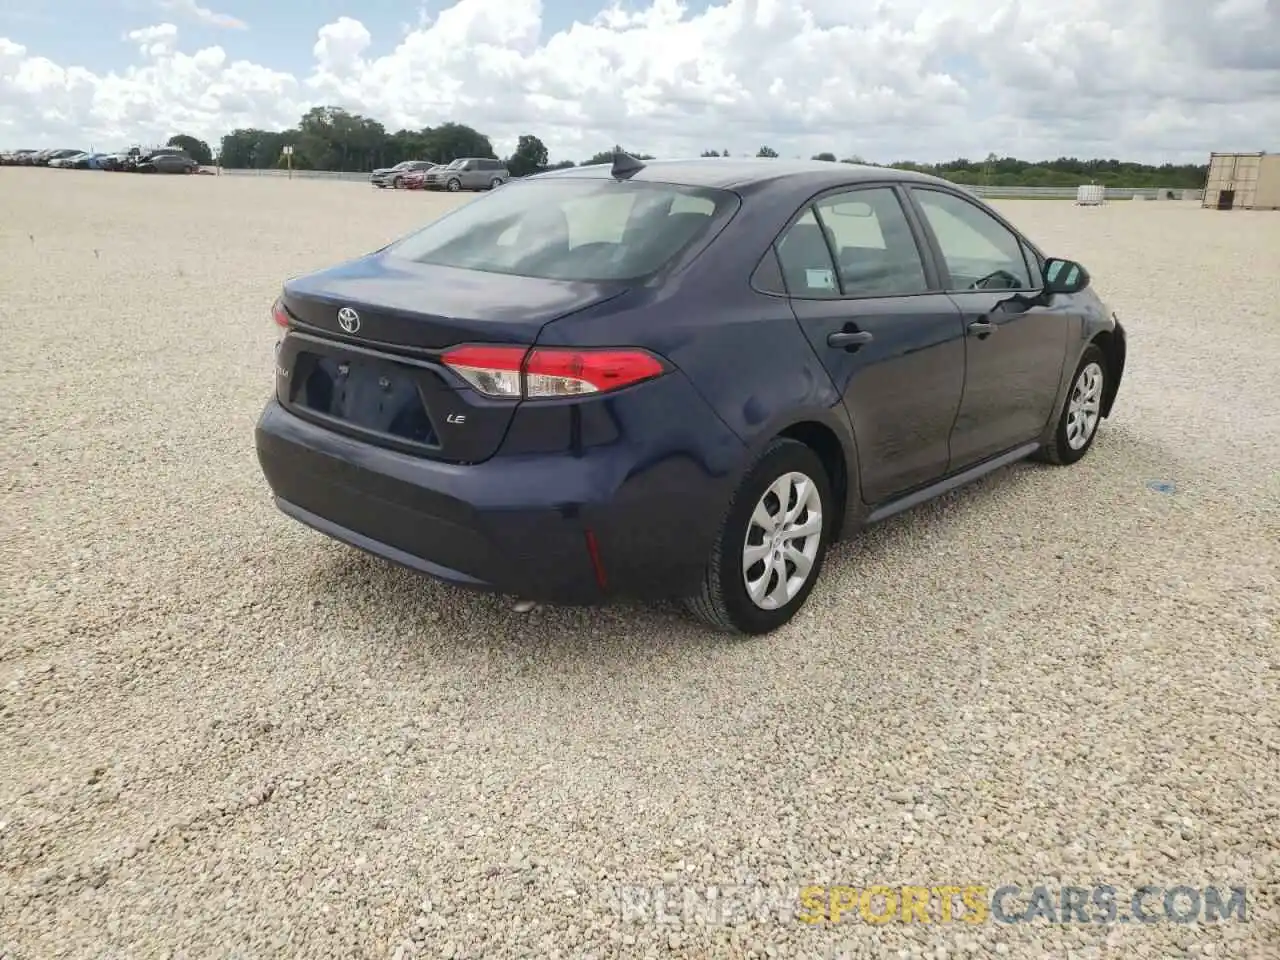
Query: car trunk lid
<point x="363" y="354"/>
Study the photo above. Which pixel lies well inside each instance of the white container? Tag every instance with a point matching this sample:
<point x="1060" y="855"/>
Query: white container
<point x="1091" y="195"/>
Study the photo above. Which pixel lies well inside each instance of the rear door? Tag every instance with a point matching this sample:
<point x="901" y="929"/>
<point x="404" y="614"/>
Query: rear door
<point x="868" y="300"/>
<point x="1017" y="347"/>
<point x="473" y="178"/>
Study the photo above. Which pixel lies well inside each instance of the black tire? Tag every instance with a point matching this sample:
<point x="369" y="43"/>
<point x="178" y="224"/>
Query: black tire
<point x="395" y="183"/>
<point x="495" y="183"/>
<point x="722" y="602"/>
<point x="1059" y="451"/>
<point x="454" y="186"/>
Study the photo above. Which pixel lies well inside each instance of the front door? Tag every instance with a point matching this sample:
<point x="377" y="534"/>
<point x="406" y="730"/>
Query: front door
<point x="892" y="343"/>
<point x="1017" y="346"/>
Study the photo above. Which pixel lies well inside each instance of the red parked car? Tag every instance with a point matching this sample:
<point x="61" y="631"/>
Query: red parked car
<point x="416" y="179"/>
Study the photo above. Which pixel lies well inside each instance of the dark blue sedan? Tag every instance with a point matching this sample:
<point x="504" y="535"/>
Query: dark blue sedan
<point x="676" y="378"/>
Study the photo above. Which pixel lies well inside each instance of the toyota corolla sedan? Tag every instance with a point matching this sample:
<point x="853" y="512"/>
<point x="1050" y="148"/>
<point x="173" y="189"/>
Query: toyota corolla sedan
<point x="676" y="379"/>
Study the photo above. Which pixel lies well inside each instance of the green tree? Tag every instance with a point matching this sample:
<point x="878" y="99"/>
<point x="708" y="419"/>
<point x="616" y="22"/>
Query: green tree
<point x="247" y="148"/>
<point x="449" y="141"/>
<point x="197" y="150"/>
<point x="606" y="156"/>
<point x="330" y="138"/>
<point x="530" y="156"/>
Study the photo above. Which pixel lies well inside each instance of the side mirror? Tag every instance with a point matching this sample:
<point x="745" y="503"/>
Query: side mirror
<point x="1064" y="276"/>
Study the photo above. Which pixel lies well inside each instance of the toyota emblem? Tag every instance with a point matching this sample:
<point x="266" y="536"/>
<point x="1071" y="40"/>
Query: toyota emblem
<point x="348" y="320"/>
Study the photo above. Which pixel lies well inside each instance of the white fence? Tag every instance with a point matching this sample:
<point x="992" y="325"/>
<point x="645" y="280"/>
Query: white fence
<point x="1007" y="193"/>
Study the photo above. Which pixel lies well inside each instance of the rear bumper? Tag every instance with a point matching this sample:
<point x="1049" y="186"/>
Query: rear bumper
<point x="553" y="528"/>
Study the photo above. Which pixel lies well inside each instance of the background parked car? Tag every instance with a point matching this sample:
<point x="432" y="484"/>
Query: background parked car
<point x="78" y="161"/>
<point x="468" y="173"/>
<point x="416" y="179"/>
<point x="166" y="161"/>
<point x="393" y="177"/>
<point x="13" y="158"/>
<point x="45" y="157"/>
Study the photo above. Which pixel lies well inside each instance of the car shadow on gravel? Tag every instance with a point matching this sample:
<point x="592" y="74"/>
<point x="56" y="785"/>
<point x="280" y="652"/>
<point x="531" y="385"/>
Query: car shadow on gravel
<point x="411" y="616"/>
<point x="416" y="609"/>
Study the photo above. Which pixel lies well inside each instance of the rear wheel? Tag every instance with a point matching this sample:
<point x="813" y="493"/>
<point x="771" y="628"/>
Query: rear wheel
<point x="1082" y="413"/>
<point x="770" y="548"/>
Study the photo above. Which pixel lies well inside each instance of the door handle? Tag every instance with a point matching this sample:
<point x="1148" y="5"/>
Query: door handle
<point x="982" y="328"/>
<point x="849" y="339"/>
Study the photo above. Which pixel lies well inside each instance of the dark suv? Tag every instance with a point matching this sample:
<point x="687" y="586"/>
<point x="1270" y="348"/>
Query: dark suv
<point x="166" y="161"/>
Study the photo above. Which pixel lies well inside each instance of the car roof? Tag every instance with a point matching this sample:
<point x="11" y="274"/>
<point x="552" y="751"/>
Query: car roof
<point x="733" y="173"/>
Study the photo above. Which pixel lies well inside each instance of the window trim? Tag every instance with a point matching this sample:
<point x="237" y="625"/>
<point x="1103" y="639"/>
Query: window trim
<point x="944" y="272"/>
<point x="932" y="274"/>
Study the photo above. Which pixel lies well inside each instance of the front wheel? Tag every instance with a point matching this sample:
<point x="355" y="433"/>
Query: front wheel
<point x="454" y="186"/>
<point x="1081" y="414"/>
<point x="771" y="545"/>
<point x="495" y="184"/>
<point x="395" y="183"/>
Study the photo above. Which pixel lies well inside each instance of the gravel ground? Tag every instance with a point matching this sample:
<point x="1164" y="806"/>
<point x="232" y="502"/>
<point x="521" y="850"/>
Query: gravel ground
<point x="224" y="735"/>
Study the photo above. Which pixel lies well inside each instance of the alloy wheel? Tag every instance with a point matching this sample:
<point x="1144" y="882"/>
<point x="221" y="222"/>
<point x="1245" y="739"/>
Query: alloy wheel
<point x="1084" y="406"/>
<point x="782" y="541"/>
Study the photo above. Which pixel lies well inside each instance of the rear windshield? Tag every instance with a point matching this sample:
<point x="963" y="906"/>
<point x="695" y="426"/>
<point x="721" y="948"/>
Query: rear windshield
<point x="578" y="230"/>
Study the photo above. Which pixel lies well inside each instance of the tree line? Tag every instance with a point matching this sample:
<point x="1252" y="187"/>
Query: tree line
<point x="330" y="138"/>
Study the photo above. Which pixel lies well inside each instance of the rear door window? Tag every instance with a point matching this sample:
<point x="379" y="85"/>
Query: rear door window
<point x="876" y="252"/>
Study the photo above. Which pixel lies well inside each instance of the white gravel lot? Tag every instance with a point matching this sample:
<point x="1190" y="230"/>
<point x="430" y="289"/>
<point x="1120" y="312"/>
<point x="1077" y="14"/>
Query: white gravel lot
<point x="224" y="735"/>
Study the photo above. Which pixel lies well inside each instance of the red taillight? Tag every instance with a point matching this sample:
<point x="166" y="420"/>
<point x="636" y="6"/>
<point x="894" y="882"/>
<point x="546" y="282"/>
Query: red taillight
<point x="279" y="314"/>
<point x="546" y="372"/>
<point x="494" y="371"/>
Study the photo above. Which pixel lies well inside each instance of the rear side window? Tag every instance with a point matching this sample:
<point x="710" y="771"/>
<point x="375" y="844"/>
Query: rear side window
<point x="807" y="267"/>
<point x="578" y="230"/>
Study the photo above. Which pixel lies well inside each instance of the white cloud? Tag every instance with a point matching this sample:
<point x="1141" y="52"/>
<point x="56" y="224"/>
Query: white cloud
<point x="193" y="11"/>
<point x="154" y="41"/>
<point x="923" y="79"/>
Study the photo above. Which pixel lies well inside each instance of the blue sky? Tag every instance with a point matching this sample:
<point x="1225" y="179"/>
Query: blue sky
<point x="281" y="33"/>
<point x="883" y="79"/>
